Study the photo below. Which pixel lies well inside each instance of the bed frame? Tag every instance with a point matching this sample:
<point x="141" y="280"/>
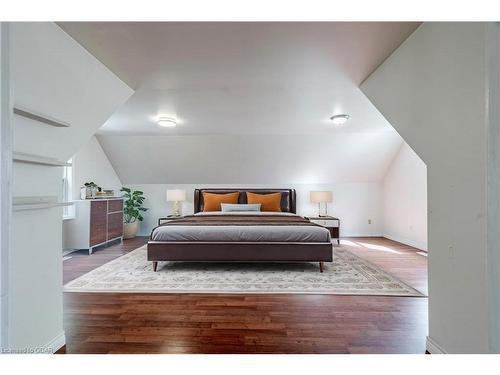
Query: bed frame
<point x="199" y="251"/>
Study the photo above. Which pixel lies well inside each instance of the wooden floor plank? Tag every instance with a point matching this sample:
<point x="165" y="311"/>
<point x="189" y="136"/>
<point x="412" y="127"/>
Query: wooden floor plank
<point x="258" y="323"/>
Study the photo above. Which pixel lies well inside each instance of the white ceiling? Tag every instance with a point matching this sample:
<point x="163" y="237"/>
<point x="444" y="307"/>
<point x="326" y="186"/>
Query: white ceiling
<point x="276" y="160"/>
<point x="253" y="100"/>
<point x="241" y="78"/>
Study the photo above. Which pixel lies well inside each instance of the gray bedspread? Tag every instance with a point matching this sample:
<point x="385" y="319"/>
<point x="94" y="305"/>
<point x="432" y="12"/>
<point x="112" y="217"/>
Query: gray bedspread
<point x="242" y="233"/>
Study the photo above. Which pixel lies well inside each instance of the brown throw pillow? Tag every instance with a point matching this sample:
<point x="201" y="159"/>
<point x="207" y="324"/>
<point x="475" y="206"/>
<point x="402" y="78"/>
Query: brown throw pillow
<point x="269" y="202"/>
<point x="211" y="201"/>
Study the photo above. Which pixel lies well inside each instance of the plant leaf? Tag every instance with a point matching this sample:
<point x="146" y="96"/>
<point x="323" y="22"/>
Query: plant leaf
<point x="133" y="201"/>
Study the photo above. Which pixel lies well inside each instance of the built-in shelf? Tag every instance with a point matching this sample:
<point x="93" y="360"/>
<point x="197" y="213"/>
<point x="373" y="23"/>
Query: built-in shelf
<point x="36" y="203"/>
<point x="38" y="206"/>
<point x="44" y="119"/>
<point x="21" y="157"/>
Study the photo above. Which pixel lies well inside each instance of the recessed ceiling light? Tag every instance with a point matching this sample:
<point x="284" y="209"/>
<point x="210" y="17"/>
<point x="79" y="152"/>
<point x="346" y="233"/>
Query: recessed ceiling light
<point x="167" y="122"/>
<point x="339" y="119"/>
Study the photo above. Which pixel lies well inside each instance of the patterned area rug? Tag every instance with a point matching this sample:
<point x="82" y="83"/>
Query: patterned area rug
<point x="347" y="274"/>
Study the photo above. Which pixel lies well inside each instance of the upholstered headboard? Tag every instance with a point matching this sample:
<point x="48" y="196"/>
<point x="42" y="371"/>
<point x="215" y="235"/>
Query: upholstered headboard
<point x="288" y="197"/>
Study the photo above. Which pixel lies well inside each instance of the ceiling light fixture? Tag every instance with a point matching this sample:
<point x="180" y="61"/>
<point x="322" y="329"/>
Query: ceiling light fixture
<point x="339" y="119"/>
<point x="167" y="122"/>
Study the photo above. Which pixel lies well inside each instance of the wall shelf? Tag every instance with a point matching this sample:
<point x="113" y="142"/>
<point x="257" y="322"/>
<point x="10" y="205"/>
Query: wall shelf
<point x="36" y="203"/>
<point x="21" y="157"/>
<point x="40" y="118"/>
<point x="38" y="206"/>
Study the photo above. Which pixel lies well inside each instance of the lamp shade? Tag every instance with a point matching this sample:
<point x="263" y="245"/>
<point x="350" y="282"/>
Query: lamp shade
<point x="176" y="195"/>
<point x="321" y="196"/>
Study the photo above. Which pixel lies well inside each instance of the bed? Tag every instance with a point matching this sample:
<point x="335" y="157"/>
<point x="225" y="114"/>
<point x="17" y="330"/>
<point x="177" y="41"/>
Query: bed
<point x="241" y="236"/>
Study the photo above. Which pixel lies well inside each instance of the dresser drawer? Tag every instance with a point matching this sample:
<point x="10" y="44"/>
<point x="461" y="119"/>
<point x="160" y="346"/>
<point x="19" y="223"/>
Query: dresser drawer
<point x="98" y="222"/>
<point x="115" y="225"/>
<point x="115" y="205"/>
<point x="329" y="223"/>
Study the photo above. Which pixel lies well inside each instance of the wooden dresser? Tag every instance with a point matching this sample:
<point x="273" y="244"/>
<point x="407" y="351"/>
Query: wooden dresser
<point x="97" y="222"/>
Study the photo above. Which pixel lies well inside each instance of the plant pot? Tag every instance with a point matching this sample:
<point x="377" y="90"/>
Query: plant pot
<point x="130" y="230"/>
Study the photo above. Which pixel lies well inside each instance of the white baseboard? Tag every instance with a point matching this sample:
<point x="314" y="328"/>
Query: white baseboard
<point x="433" y="347"/>
<point x="57" y="342"/>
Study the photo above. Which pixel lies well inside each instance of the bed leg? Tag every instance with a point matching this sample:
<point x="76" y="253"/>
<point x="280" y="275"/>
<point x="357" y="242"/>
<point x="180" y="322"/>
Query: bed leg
<point x="155" y="265"/>
<point x="321" y="264"/>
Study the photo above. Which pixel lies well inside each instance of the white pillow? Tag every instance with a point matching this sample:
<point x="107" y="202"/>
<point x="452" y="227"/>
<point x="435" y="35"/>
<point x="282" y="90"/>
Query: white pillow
<point x="230" y="207"/>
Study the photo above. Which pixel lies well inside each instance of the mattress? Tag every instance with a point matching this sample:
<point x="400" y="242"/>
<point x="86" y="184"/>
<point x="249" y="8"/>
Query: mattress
<point x="228" y="230"/>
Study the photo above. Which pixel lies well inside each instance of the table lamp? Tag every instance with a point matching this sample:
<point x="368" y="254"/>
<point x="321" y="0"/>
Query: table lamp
<point x="321" y="197"/>
<point x="177" y="196"/>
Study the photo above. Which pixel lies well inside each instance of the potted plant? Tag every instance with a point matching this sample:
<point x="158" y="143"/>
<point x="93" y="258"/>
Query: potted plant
<point x="90" y="189"/>
<point x="132" y="201"/>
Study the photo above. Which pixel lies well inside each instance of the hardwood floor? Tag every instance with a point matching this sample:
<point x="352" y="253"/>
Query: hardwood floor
<point x="399" y="260"/>
<point x="201" y="323"/>
<point x="80" y="262"/>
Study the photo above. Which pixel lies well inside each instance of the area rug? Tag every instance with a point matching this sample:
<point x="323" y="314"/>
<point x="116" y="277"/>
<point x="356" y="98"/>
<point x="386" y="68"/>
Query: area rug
<point x="347" y="274"/>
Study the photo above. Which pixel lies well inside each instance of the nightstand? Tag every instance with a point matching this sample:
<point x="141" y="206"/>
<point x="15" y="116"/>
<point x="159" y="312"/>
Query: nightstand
<point x="163" y="220"/>
<point x="329" y="222"/>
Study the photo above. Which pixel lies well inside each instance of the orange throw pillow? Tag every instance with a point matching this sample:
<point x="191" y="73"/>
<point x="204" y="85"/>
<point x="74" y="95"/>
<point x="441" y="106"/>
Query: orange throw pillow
<point x="211" y="201"/>
<point x="269" y="202"/>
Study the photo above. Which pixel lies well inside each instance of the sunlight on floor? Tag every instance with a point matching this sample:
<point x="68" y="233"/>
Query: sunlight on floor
<point x="423" y="253"/>
<point x="369" y="246"/>
<point x="349" y="243"/>
<point x="379" y="248"/>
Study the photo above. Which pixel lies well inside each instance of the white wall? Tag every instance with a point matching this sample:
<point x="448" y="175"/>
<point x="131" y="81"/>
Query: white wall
<point x="354" y="204"/>
<point x="5" y="176"/>
<point x="90" y="163"/>
<point x="351" y="164"/>
<point x="405" y="199"/>
<point x="493" y="192"/>
<point x="35" y="264"/>
<point x="51" y="75"/>
<point x="432" y="89"/>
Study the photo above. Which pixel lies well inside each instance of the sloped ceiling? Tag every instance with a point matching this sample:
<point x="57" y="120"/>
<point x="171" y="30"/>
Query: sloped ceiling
<point x="54" y="76"/>
<point x="268" y="88"/>
<point x="251" y="159"/>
